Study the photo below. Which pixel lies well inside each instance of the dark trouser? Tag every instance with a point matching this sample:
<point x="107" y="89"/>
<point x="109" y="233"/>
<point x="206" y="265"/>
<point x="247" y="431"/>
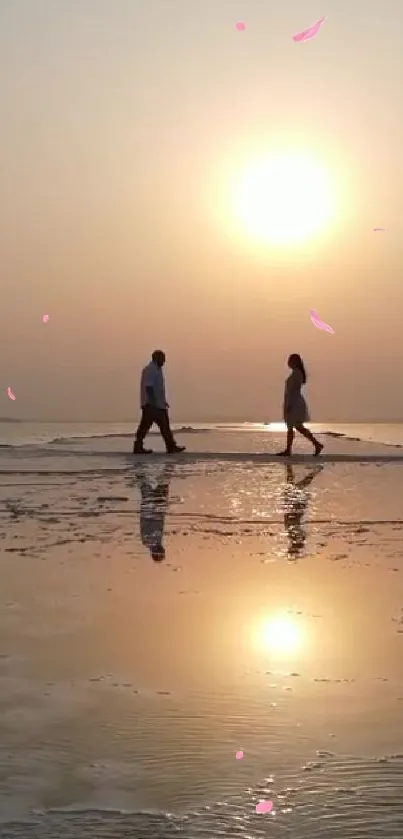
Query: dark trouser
<point x="160" y="417"/>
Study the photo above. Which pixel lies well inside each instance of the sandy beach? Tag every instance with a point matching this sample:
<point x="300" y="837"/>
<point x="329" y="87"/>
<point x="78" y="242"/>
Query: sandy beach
<point x="274" y="625"/>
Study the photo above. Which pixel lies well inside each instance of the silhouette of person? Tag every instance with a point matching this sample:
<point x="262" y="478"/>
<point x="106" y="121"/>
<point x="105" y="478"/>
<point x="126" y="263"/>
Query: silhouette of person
<point x="295" y="409"/>
<point x="154" y="407"/>
<point x="296" y="500"/>
<point x="153" y="508"/>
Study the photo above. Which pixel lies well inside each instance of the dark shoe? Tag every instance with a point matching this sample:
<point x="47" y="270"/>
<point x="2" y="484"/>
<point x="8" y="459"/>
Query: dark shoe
<point x="176" y="449"/>
<point x="318" y="449"/>
<point x="139" y="449"/>
<point x="285" y="453"/>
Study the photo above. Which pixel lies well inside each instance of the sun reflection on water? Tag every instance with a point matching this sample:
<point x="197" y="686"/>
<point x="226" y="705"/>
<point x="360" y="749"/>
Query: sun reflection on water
<point x="280" y="635"/>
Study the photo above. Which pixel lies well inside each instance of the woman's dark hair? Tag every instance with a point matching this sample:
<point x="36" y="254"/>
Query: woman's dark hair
<point x="297" y="362"/>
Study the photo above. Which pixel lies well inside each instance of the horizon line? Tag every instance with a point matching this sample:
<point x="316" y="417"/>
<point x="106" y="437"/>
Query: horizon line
<point x="232" y="420"/>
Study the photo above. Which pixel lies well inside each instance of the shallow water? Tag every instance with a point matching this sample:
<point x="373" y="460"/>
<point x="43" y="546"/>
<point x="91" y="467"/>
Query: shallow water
<point x="350" y="798"/>
<point x="128" y="685"/>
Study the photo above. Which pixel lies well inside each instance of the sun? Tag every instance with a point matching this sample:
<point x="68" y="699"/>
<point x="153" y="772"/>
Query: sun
<point x="285" y="198"/>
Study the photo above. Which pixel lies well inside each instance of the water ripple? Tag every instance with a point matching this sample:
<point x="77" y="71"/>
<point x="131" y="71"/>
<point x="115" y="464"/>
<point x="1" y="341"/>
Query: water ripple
<point x="346" y="799"/>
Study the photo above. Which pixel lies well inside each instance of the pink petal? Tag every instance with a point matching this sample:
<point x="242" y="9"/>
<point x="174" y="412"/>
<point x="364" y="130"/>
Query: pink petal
<point x="309" y="33"/>
<point x="10" y="394"/>
<point x="320" y="323"/>
<point x="240" y="26"/>
<point x="45" y="318"/>
<point x="264" y="807"/>
<point x="239" y="755"/>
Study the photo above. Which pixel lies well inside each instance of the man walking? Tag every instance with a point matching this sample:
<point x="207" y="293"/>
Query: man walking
<point x="154" y="406"/>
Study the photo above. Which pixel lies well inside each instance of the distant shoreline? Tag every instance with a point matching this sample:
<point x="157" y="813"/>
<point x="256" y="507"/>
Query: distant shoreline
<point x="15" y="421"/>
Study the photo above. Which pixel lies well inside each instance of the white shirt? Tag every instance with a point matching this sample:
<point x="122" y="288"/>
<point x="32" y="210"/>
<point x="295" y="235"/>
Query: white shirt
<point x="152" y="376"/>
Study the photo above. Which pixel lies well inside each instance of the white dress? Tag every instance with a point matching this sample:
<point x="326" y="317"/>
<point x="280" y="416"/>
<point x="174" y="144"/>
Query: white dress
<point x="295" y="407"/>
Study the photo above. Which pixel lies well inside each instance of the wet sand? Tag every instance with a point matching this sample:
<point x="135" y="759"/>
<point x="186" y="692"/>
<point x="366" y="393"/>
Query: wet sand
<point x="273" y="625"/>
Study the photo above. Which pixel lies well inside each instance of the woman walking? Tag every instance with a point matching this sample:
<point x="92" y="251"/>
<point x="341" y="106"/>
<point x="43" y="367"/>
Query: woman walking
<point x="295" y="407"/>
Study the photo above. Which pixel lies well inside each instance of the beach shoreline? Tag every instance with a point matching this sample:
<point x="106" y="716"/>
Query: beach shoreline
<point x="128" y="684"/>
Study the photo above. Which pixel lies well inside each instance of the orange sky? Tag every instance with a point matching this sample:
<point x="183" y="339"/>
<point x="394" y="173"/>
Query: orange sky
<point x="122" y="124"/>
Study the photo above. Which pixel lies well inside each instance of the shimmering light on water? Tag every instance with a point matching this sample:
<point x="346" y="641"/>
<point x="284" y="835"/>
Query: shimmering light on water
<point x="279" y="634"/>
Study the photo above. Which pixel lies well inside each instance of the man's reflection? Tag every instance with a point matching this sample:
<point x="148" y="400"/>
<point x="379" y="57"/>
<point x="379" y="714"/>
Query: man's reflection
<point x="153" y="507"/>
<point x="296" y="500"/>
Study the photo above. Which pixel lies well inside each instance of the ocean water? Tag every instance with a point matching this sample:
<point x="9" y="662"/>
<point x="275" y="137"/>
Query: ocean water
<point x="127" y="686"/>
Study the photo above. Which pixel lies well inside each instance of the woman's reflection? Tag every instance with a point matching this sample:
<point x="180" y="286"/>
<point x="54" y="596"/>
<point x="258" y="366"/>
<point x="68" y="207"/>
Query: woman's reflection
<point x="153" y="508"/>
<point x="296" y="499"/>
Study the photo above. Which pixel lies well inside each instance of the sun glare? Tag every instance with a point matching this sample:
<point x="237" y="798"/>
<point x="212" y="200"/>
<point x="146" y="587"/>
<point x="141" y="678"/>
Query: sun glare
<point x="280" y="635"/>
<point x="284" y="199"/>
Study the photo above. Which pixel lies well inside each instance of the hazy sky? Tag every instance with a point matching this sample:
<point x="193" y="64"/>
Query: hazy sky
<point x="125" y="129"/>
